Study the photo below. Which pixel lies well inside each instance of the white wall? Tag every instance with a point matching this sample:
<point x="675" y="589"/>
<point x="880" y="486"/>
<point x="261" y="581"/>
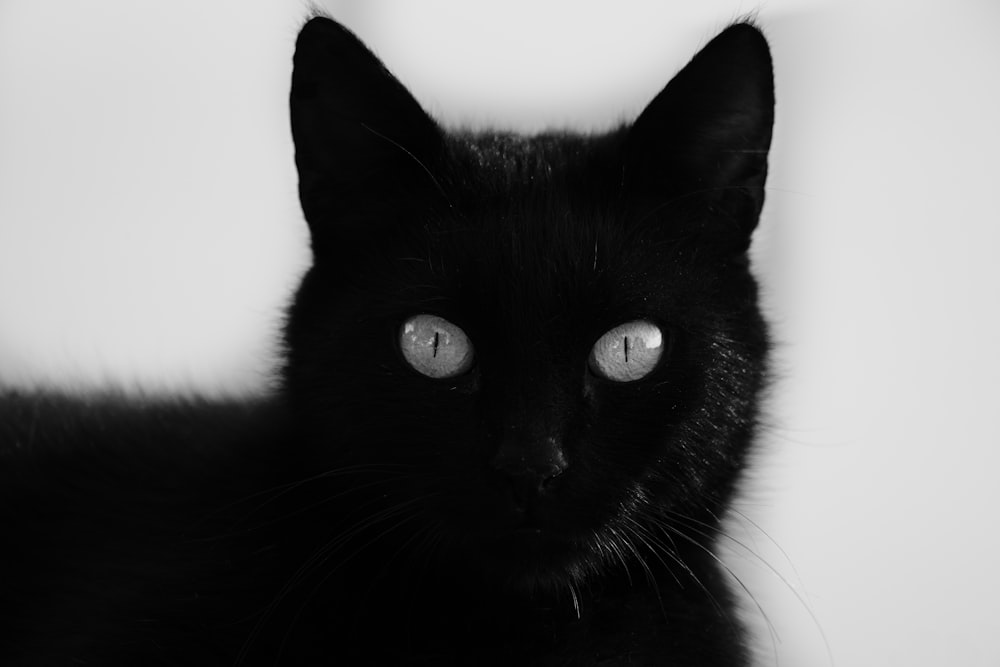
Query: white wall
<point x="149" y="234"/>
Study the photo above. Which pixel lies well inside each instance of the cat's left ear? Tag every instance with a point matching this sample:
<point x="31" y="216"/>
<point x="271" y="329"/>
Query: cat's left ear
<point x="358" y="131"/>
<point x="699" y="149"/>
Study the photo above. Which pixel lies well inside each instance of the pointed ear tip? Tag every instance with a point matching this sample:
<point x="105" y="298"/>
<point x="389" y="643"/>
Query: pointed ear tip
<point x="321" y="29"/>
<point x="744" y="44"/>
<point x="746" y="36"/>
<point x="318" y="23"/>
<point x="323" y="41"/>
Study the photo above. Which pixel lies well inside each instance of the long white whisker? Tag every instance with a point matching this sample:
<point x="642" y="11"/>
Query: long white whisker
<point x="613" y="545"/>
<point x="666" y="529"/>
<point x="692" y="522"/>
<point x="775" y="639"/>
<point x="658" y="549"/>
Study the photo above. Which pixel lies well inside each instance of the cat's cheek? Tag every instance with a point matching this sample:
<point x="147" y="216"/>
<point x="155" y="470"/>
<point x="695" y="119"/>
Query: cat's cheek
<point x="466" y="386"/>
<point x="469" y="383"/>
<point x="590" y="390"/>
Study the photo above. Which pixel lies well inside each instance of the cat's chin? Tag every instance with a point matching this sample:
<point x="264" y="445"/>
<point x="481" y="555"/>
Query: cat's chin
<point x="533" y="561"/>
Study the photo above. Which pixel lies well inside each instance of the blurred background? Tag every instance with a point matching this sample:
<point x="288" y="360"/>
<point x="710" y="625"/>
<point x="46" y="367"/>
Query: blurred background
<point x="150" y="236"/>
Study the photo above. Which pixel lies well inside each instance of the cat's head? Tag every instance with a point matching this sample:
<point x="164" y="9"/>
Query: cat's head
<point x="535" y="351"/>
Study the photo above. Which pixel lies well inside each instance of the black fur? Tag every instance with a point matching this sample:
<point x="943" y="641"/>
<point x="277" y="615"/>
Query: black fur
<point x="368" y="514"/>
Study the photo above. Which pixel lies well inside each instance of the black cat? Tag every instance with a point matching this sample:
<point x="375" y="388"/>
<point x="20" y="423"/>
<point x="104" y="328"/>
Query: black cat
<point x="522" y="379"/>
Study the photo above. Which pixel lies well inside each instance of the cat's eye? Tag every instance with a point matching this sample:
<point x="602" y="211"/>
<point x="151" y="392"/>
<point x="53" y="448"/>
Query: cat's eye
<point x="628" y="352"/>
<point x="435" y="347"/>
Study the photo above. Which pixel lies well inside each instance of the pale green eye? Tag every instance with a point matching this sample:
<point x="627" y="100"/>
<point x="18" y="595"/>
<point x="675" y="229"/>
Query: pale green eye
<point x="628" y="352"/>
<point x="435" y="347"/>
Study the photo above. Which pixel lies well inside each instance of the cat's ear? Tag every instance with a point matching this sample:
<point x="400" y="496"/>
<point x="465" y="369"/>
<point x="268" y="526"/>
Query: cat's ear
<point x="699" y="149"/>
<point x="357" y="130"/>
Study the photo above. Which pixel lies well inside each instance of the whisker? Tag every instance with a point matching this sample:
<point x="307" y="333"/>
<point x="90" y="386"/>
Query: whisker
<point x="613" y="545"/>
<point x="326" y="499"/>
<point x="674" y="554"/>
<point x="414" y="158"/>
<point x="576" y="598"/>
<point x="320" y="556"/>
<point x="770" y="539"/>
<point x="775" y="639"/>
<point x="642" y="563"/>
<point x="319" y="585"/>
<point x="771" y="569"/>
<point x="281" y="489"/>
<point x="656" y="547"/>
<point x="233" y="529"/>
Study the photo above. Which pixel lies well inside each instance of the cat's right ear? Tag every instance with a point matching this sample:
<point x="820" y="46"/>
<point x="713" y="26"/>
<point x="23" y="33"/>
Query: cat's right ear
<point x="357" y="131"/>
<point x="700" y="147"/>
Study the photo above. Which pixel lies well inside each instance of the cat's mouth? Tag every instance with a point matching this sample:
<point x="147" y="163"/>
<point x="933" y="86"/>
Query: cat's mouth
<point x="527" y="543"/>
<point x="529" y="557"/>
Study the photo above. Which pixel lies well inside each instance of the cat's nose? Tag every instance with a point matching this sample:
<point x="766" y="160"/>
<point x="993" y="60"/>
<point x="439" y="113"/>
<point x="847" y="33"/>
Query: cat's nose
<point x="530" y="465"/>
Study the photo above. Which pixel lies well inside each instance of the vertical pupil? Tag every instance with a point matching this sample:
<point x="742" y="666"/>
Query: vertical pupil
<point x="437" y="338"/>
<point x="626" y="349"/>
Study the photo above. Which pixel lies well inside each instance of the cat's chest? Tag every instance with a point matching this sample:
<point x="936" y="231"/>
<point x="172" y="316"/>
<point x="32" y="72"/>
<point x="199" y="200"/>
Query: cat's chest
<point x="444" y="621"/>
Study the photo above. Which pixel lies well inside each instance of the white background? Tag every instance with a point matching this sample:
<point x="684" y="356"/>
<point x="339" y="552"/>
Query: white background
<point x="149" y="235"/>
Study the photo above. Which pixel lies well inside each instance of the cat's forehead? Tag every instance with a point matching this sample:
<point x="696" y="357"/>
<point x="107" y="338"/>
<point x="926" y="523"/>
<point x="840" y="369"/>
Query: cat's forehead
<point x="552" y="189"/>
<point x="508" y="155"/>
<point x="536" y="223"/>
<point x="514" y="224"/>
<point x="519" y="204"/>
<point x="543" y="160"/>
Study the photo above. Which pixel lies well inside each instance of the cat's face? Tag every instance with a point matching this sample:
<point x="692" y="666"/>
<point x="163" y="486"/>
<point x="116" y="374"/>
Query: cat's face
<point x="529" y="352"/>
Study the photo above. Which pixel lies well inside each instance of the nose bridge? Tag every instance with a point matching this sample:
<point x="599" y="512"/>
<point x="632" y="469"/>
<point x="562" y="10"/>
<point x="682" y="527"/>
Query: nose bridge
<point x="532" y="420"/>
<point x="531" y="406"/>
<point x="526" y="387"/>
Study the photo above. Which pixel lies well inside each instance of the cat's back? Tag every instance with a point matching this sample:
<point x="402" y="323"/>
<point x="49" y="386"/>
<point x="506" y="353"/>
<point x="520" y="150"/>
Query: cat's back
<point x="48" y="439"/>
<point x="117" y="510"/>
